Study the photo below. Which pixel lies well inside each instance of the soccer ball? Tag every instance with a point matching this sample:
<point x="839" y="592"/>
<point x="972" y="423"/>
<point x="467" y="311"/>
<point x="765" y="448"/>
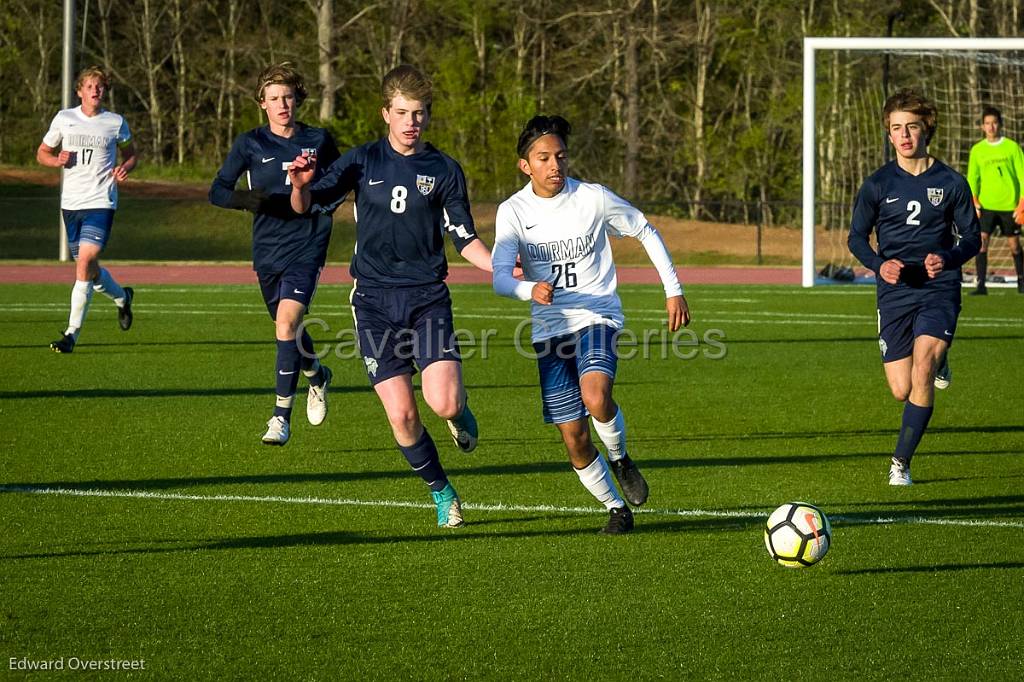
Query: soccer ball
<point x="797" y="534"/>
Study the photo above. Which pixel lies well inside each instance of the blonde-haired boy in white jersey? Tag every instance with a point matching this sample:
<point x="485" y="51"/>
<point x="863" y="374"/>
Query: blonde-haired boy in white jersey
<point x="88" y="137"/>
<point x="558" y="228"/>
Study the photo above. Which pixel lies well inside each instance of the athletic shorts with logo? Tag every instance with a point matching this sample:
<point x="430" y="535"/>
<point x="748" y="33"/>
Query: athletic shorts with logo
<point x="297" y="282"/>
<point x="562" y="362"/>
<point x="401" y="329"/>
<point x="930" y="315"/>
<point x="92" y="226"/>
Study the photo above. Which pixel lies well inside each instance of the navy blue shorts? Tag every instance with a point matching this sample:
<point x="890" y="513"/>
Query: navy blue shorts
<point x="92" y="226"/>
<point x="898" y="327"/>
<point x="1001" y="220"/>
<point x="562" y="360"/>
<point x="403" y="328"/>
<point x="297" y="282"/>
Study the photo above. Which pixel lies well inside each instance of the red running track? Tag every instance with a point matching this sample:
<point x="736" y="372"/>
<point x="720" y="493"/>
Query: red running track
<point x="176" y="273"/>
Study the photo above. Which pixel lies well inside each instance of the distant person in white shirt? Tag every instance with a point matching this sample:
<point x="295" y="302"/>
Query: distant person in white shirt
<point x="558" y="228"/>
<point x="88" y="137"/>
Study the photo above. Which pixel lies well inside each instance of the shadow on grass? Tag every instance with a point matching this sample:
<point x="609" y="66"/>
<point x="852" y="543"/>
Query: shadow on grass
<point x="943" y="568"/>
<point x="146" y="344"/>
<point x="344" y="538"/>
<point x="92" y="393"/>
<point x="833" y="433"/>
<point x="524" y="468"/>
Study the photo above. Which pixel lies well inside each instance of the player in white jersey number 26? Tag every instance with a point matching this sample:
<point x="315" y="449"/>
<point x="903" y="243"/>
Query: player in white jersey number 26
<point x="558" y="227"/>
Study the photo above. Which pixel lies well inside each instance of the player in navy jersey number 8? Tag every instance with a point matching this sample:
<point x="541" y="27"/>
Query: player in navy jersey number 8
<point x="916" y="205"/>
<point x="288" y="250"/>
<point x="408" y="196"/>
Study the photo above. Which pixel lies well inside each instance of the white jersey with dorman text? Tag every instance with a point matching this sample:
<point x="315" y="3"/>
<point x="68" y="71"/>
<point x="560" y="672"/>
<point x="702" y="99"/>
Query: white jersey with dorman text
<point x="93" y="141"/>
<point x="564" y="240"/>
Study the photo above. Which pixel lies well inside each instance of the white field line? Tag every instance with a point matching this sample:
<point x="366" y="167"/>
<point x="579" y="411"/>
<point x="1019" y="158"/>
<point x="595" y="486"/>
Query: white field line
<point x="541" y="508"/>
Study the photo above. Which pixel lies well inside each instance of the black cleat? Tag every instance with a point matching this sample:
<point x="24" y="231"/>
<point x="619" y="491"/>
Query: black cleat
<point x="124" y="313"/>
<point x="979" y="291"/>
<point x="65" y="344"/>
<point x="634" y="487"/>
<point x="620" y="520"/>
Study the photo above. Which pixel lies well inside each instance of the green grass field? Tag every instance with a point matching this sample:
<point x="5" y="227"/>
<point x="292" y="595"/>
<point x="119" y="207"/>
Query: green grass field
<point x="144" y="519"/>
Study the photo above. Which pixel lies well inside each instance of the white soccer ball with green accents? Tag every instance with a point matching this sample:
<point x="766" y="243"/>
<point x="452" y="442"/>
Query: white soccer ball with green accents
<point x="798" y="534"/>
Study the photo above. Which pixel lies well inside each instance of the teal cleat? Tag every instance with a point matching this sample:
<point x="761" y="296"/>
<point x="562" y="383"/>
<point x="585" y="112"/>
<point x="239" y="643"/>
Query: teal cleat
<point x="449" y="509"/>
<point x="464" y="429"/>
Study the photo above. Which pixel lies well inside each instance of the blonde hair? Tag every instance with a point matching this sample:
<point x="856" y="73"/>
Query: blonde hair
<point x="914" y="103"/>
<point x="409" y="82"/>
<point x="284" y="73"/>
<point x="92" y="72"/>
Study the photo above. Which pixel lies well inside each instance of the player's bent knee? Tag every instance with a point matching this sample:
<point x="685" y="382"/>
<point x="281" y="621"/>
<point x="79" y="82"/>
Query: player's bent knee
<point x="901" y="393"/>
<point x="404" y="423"/>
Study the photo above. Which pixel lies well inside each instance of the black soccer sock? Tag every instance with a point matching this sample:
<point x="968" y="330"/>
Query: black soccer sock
<point x="424" y="460"/>
<point x="309" y="363"/>
<point x="915" y="421"/>
<point x="287" y="373"/>
<point x="981" y="262"/>
<point x="1018" y="265"/>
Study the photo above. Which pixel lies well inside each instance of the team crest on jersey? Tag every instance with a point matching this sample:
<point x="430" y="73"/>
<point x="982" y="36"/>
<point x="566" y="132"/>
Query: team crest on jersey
<point x="425" y="184"/>
<point x="935" y="195"/>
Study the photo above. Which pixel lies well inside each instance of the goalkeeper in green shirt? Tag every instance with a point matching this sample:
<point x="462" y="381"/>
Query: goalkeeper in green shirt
<point x="995" y="172"/>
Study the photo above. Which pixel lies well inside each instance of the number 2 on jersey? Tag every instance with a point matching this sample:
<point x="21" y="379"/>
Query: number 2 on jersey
<point x="915" y="210"/>
<point x="565" y="275"/>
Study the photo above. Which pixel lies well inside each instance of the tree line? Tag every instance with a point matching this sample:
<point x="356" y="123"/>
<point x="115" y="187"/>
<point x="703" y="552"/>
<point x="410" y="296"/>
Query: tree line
<point x="671" y="101"/>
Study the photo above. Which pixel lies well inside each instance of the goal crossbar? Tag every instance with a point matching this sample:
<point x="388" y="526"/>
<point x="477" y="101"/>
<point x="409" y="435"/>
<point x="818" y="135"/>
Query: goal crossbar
<point x="811" y="47"/>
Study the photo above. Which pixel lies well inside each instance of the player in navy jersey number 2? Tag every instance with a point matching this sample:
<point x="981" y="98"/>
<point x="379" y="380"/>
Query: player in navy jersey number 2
<point x="916" y="205"/>
<point x="559" y="228"/>
<point x="288" y="250"/>
<point x="408" y="196"/>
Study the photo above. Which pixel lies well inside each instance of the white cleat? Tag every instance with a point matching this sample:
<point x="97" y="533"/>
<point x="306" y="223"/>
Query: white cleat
<point x="316" y="400"/>
<point x="899" y="473"/>
<point x="278" y="431"/>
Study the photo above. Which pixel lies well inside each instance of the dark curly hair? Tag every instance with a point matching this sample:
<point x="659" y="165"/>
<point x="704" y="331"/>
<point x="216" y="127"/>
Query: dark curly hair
<point x="539" y="126"/>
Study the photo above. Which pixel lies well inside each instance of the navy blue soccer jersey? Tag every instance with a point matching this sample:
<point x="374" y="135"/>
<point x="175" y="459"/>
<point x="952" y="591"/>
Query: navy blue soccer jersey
<point x="404" y="207"/>
<point x="913" y="216"/>
<point x="280" y="237"/>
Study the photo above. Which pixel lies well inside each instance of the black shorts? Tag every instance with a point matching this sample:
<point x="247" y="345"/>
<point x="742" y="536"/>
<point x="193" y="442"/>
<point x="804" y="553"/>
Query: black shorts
<point x="403" y="328"/>
<point x="1003" y="220"/>
<point x="899" y="327"/>
<point x="296" y="282"/>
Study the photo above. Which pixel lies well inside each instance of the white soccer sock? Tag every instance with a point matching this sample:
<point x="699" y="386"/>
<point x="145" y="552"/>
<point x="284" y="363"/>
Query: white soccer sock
<point x="105" y="284"/>
<point x="613" y="435"/>
<point x="81" y="294"/>
<point x="596" y="478"/>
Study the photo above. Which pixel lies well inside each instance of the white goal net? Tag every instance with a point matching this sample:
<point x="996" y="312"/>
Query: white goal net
<point x="846" y="82"/>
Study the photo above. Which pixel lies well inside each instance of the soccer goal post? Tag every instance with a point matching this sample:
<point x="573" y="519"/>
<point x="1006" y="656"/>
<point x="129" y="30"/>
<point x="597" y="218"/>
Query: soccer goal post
<point x="843" y="136"/>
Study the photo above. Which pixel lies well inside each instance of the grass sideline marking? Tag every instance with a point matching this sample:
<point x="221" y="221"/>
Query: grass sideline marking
<point x="145" y="495"/>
